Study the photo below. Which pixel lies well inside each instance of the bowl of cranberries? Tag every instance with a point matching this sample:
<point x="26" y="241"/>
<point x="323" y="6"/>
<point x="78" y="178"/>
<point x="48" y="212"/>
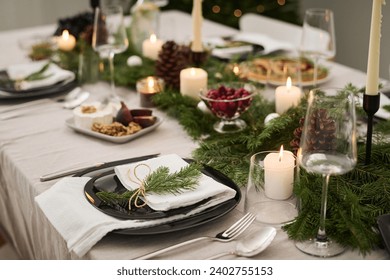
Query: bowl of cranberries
<point x="228" y="102"/>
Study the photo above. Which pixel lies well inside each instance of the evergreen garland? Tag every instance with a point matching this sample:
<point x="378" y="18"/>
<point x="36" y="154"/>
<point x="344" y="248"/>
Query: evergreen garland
<point x="355" y="200"/>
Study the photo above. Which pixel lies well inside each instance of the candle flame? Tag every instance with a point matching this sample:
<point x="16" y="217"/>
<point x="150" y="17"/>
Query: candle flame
<point x="153" y="38"/>
<point x="192" y="72"/>
<point x="281" y="153"/>
<point x="288" y="83"/>
<point x="236" y="70"/>
<point x="65" y="34"/>
<point x="151" y="83"/>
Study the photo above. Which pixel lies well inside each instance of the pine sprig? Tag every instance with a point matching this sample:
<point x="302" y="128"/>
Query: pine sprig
<point x="159" y="182"/>
<point x="162" y="182"/>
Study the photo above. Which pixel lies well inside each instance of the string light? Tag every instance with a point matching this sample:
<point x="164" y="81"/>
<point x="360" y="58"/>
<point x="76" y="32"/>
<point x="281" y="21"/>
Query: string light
<point x="281" y="2"/>
<point x="216" y="9"/>
<point x="260" y="8"/>
<point x="237" y="13"/>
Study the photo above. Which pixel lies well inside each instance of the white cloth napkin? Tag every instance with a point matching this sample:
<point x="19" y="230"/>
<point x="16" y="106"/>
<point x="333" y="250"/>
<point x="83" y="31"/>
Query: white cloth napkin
<point x="270" y="44"/>
<point x="81" y="225"/>
<point x="206" y="188"/>
<point x="54" y="74"/>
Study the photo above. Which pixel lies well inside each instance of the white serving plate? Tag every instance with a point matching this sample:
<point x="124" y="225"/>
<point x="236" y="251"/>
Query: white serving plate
<point x="115" y="139"/>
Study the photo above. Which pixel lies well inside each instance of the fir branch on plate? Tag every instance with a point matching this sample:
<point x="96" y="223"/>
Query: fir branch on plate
<point x="159" y="182"/>
<point x="162" y="182"/>
<point x="38" y="75"/>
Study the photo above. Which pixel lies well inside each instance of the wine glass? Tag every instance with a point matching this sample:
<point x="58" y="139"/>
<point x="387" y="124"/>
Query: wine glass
<point x="318" y="37"/>
<point x="328" y="146"/>
<point x="109" y="38"/>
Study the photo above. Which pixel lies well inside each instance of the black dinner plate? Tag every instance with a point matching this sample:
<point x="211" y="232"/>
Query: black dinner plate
<point x="7" y="91"/>
<point x="384" y="228"/>
<point x="105" y="179"/>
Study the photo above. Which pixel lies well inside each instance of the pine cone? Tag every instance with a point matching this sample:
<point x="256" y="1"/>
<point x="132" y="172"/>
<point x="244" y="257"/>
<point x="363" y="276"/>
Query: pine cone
<point x="171" y="60"/>
<point x="321" y="131"/>
<point x="318" y="139"/>
<point x="295" y="143"/>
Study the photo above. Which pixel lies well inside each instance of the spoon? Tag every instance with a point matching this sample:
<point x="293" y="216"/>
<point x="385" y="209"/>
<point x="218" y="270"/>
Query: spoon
<point x="75" y="98"/>
<point x="252" y="244"/>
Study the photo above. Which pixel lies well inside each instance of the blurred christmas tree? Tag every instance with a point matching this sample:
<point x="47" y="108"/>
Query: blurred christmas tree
<point x="228" y="12"/>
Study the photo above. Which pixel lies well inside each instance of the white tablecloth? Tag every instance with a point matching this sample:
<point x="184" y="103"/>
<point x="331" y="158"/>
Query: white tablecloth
<point x="38" y="142"/>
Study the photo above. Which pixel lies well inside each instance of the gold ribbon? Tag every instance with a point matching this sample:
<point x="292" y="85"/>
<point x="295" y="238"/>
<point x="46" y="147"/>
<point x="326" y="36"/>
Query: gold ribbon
<point x="141" y="191"/>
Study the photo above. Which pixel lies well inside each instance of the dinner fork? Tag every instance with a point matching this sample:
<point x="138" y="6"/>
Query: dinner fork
<point x="225" y="236"/>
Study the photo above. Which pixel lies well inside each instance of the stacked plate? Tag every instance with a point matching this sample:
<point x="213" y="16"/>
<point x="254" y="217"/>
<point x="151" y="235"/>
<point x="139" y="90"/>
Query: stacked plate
<point x="52" y="80"/>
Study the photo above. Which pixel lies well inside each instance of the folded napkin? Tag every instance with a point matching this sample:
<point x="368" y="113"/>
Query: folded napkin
<point x="53" y="74"/>
<point x="269" y="44"/>
<point x="207" y="187"/>
<point x="81" y="225"/>
<point x="220" y="47"/>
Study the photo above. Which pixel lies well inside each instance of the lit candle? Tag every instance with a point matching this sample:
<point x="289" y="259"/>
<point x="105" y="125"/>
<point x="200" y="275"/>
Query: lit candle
<point x="286" y="96"/>
<point x="66" y="41"/>
<point x="147" y="88"/>
<point x="192" y="80"/>
<point x="197" y="19"/>
<point x="236" y="70"/>
<point x="374" y="49"/>
<point x="279" y="174"/>
<point x="151" y="47"/>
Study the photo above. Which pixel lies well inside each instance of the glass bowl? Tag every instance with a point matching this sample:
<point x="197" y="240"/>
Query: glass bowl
<point x="227" y="102"/>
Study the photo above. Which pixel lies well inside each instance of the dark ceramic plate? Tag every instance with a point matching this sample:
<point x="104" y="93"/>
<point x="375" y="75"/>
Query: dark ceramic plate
<point x="105" y="179"/>
<point x="7" y="91"/>
<point x="384" y="228"/>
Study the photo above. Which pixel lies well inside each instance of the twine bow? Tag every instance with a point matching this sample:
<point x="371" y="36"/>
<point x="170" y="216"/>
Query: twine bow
<point x="141" y="191"/>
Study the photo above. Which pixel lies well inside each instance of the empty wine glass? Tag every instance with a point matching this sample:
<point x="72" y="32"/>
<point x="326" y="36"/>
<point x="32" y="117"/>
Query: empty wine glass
<point x="328" y="146"/>
<point x="109" y="38"/>
<point x="318" y="37"/>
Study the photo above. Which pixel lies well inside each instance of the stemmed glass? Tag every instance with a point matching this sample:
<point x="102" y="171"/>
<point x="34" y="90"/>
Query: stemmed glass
<point x="328" y="146"/>
<point x="318" y="37"/>
<point x="109" y="38"/>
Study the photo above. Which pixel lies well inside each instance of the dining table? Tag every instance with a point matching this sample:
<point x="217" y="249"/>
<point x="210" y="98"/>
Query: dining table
<point x="35" y="140"/>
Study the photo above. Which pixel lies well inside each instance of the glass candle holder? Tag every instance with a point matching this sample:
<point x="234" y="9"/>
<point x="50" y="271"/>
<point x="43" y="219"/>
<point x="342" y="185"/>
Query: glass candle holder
<point x="269" y="194"/>
<point x="147" y="88"/>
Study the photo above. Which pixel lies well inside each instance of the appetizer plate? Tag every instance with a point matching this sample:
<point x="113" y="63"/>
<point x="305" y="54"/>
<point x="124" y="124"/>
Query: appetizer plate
<point x="115" y="139"/>
<point x="275" y="70"/>
<point x="104" y="179"/>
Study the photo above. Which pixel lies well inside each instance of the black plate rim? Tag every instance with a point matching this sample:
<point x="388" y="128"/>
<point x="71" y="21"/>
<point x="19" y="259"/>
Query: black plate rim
<point x="37" y="92"/>
<point x="384" y="228"/>
<point x="195" y="220"/>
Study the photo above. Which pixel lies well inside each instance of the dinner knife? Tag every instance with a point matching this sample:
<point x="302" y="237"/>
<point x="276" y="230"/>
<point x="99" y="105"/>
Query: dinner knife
<point x="99" y="165"/>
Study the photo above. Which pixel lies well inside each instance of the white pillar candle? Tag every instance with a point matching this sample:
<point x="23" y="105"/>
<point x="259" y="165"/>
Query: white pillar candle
<point x="197" y="19"/>
<point x="286" y="96"/>
<point x="192" y="80"/>
<point x="279" y="174"/>
<point x="374" y="49"/>
<point x="66" y="42"/>
<point x="151" y="47"/>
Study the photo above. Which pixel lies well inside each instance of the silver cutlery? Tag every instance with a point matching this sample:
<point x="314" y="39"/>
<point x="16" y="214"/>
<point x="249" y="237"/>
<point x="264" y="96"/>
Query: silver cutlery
<point x="225" y="236"/>
<point x="91" y="167"/>
<point x="74" y="98"/>
<point x="252" y="244"/>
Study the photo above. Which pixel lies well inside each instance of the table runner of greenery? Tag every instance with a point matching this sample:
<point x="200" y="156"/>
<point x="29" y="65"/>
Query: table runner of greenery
<point x="355" y="200"/>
